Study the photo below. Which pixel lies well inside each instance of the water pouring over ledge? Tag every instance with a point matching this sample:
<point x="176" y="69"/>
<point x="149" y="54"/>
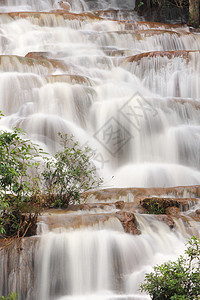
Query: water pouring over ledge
<point x="129" y="90"/>
<point x="95" y="262"/>
<point x="105" y="263"/>
<point x="98" y="80"/>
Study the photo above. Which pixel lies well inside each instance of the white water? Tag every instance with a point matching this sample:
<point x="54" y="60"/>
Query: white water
<point x="141" y="116"/>
<point x="102" y="264"/>
<point x="158" y="143"/>
<point x="99" y="261"/>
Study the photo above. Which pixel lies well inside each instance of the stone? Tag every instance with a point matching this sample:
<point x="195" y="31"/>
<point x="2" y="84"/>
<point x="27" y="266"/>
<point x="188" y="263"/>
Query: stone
<point x="166" y="219"/>
<point x="128" y="221"/>
<point x="173" y="211"/>
<point x="119" y="204"/>
<point x="158" y="205"/>
<point x="65" y="6"/>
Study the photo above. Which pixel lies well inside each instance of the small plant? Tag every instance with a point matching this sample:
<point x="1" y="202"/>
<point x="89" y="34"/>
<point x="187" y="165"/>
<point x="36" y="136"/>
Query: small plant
<point x="12" y="296"/>
<point x="176" y="280"/>
<point x="156" y="208"/>
<point x="141" y="3"/>
<point x="154" y="205"/>
<point x="70" y="173"/>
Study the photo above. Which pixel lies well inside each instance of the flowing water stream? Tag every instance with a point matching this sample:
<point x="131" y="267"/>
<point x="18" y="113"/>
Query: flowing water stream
<point x="130" y="90"/>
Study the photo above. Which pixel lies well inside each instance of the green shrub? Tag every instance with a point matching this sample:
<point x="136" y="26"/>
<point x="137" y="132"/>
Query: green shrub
<point x="19" y="189"/>
<point x="176" y="280"/>
<point x="70" y="173"/>
<point x="64" y="178"/>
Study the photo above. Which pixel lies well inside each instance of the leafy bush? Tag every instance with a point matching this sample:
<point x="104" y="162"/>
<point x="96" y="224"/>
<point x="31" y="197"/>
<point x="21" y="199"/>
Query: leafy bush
<point x="155" y="205"/>
<point x="67" y="175"/>
<point x="176" y="280"/>
<point x="70" y="173"/>
<point x="19" y="189"/>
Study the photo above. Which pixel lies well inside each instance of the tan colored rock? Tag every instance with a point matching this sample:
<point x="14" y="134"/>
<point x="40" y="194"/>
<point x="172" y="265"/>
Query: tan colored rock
<point x="85" y="16"/>
<point x="65" y="6"/>
<point x="37" y="55"/>
<point x="139" y="194"/>
<point x="166" y="219"/>
<point x="169" y="54"/>
<point x="128" y="221"/>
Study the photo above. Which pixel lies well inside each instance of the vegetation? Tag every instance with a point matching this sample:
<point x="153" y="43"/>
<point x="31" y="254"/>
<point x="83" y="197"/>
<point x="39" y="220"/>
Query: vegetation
<point x="155" y="205"/>
<point x="24" y="192"/>
<point x="69" y="174"/>
<point x="176" y="280"/>
<point x="12" y="296"/>
<point x="18" y="189"/>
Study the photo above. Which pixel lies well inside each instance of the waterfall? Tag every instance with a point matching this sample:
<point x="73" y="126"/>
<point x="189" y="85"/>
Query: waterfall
<point x="104" y="264"/>
<point x="130" y="90"/>
<point x="99" y="262"/>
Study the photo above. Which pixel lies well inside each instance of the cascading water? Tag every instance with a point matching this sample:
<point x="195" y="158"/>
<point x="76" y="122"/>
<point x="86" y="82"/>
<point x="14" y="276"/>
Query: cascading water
<point x="89" y="256"/>
<point x="86" y="81"/>
<point x="101" y="264"/>
<point x="128" y="89"/>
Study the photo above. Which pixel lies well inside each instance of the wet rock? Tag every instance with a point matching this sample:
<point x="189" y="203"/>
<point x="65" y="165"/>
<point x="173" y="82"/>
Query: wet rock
<point x="59" y="221"/>
<point x="119" y="204"/>
<point x="153" y="54"/>
<point x="130" y="206"/>
<point x="17" y="267"/>
<point x="193" y="216"/>
<point x="20" y="63"/>
<point x="155" y="205"/>
<point x="128" y="221"/>
<point x="65" y="6"/>
<point x="37" y="55"/>
<point x="72" y="79"/>
<point x="166" y="219"/>
<point x="85" y="16"/>
<point x="92" y="206"/>
<point x="42" y="58"/>
<point x="173" y="211"/>
<point x="136" y="195"/>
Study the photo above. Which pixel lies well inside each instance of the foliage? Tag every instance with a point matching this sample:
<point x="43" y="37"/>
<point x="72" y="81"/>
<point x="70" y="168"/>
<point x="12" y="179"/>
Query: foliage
<point x="176" y="280"/>
<point x="155" y="205"/>
<point x="67" y="175"/>
<point x="18" y="187"/>
<point x="70" y="173"/>
<point x="12" y="296"/>
<point x="141" y="3"/>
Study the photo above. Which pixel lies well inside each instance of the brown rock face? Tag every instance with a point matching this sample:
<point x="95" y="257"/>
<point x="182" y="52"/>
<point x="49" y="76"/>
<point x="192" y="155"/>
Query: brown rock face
<point x="166" y="219"/>
<point x="92" y="206"/>
<point x="158" y="206"/>
<point x="16" y="267"/>
<point x="139" y="194"/>
<point x="128" y="221"/>
<point x="174" y="211"/>
<point x="119" y="204"/>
